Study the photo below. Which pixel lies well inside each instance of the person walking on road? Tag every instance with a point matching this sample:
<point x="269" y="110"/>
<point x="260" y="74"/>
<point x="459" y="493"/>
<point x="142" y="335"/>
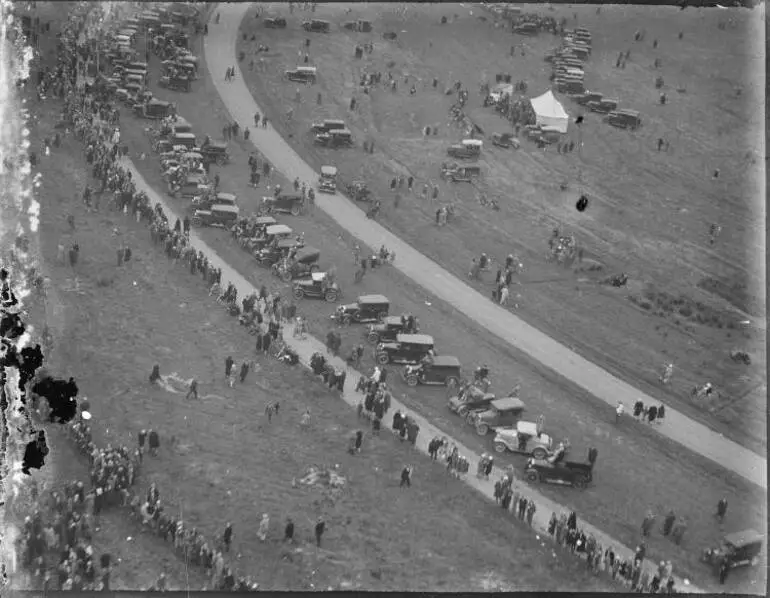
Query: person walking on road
<point x="256" y="119"/>
<point x="193" y="390"/>
<point x="244" y="371"/>
<point x="721" y="510"/>
<point x="619" y="412"/>
<point x="647" y="524"/>
<point x="320" y="528"/>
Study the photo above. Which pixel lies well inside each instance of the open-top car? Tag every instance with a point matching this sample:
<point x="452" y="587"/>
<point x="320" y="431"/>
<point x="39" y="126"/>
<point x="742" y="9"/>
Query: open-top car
<point x="738" y="549"/>
<point x="327" y="182"/>
<point x="505" y="140"/>
<point x="498" y="414"/>
<point x="317" y="287"/>
<point x="407" y="349"/>
<point x="275" y="233"/>
<point x="335" y="138"/>
<point x="525" y="437"/>
<point x="206" y="200"/>
<point x="288" y="203"/>
<point x="368" y="308"/>
<point x="358" y="191"/>
<point x="303" y="263"/>
<point x="275" y="252"/>
<point x="443" y="370"/>
<point x="390" y="327"/>
<point x="223" y="216"/>
<point x="470" y="400"/>
<point x="566" y="473"/>
<point x="327" y="125"/>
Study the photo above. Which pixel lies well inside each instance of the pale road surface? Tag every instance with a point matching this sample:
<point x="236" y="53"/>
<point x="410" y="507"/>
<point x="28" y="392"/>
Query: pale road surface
<point x="306" y="348"/>
<point x="219" y="46"/>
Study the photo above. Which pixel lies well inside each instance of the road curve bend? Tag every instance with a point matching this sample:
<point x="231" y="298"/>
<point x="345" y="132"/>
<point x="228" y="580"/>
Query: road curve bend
<point x="220" y="53"/>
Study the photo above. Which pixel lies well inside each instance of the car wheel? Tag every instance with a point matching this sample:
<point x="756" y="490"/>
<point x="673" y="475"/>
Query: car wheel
<point x="462" y="411"/>
<point x="539" y="453"/>
<point x="383" y="359"/>
<point x="346" y="320"/>
<point x="482" y="429"/>
<point x="451" y="382"/>
<point x="373" y="338"/>
<point x="314" y="268"/>
<point x="533" y="476"/>
<point x="411" y="381"/>
<point x="580" y="482"/>
<point x="330" y="296"/>
<point x="286" y="276"/>
<point x="298" y="293"/>
<point x="469" y="419"/>
<point x="295" y="210"/>
<point x="499" y="447"/>
<point x="220" y="161"/>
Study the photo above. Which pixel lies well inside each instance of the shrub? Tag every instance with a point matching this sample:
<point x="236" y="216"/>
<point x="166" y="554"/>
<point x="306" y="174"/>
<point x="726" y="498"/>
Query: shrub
<point x="645" y="305"/>
<point x="685" y="311"/>
<point x="104" y="281"/>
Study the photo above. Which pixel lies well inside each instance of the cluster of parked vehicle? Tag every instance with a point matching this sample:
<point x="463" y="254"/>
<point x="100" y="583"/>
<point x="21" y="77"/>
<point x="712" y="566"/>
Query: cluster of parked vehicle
<point x="620" y="118"/>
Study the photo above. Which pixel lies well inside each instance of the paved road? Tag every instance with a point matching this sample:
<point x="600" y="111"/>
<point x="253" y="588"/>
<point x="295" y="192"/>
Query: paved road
<point x="306" y="348"/>
<point x="219" y="48"/>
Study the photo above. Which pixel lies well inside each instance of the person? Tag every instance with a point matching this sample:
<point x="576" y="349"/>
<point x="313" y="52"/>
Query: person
<point x="724" y="569"/>
<point x="264" y="526"/>
<point x="288" y="531"/>
<point x="320" y="527"/>
<point x="668" y="522"/>
<point x="193" y="389"/>
<point x="229" y="362"/>
<point x="244" y="371"/>
<point x="647" y="523"/>
<point x="721" y="509"/>
<point x="227" y="536"/>
<point x="155" y="375"/>
<point x="619" y="411"/>
<point x="154" y="442"/>
<point x="406" y="477"/>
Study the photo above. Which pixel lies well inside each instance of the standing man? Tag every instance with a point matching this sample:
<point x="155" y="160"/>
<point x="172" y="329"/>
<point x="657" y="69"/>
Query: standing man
<point x="228" y="366"/>
<point x="721" y="509"/>
<point x="320" y="527"/>
<point x="193" y="390"/>
<point x="244" y="371"/>
<point x="668" y="522"/>
<point x="647" y="523"/>
<point x="288" y="532"/>
<point x="227" y="537"/>
<point x="406" y="477"/>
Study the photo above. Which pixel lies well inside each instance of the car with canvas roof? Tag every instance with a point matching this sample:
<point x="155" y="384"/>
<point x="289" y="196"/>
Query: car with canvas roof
<point x="443" y="370"/>
<point x="220" y="216"/>
<point x="302" y="74"/>
<point x="525" y="438"/>
<point x="498" y="414"/>
<point x="287" y="203"/>
<point x="318" y="286"/>
<point x="367" y="308"/>
<point x="737" y="549"/>
<point x="407" y="349"/>
<point x="390" y="327"/>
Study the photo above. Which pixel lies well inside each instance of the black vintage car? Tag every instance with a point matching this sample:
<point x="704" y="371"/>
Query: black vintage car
<point x="275" y="23"/>
<point x="557" y="471"/>
<point x="407" y="349"/>
<point x="215" y="152"/>
<point x="443" y="370"/>
<point x="738" y="549"/>
<point x="303" y="263"/>
<point x="368" y="308"/>
<point x="275" y="252"/>
<point x="390" y="327"/>
<point x="316" y="287"/>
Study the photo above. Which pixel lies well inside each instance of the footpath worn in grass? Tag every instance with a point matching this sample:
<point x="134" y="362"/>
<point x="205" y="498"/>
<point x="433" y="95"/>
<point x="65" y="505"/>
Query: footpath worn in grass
<point x="626" y="486"/>
<point x="221" y="460"/>
<point x="649" y="211"/>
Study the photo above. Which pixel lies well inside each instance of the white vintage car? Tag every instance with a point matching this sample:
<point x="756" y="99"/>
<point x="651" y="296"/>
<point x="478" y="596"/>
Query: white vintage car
<point x="524" y="437"/>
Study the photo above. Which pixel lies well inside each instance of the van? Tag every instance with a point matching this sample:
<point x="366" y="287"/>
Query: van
<point x="625" y="119"/>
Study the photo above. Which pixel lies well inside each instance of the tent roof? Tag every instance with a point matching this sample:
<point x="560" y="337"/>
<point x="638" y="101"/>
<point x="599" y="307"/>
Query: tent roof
<point x="548" y="105"/>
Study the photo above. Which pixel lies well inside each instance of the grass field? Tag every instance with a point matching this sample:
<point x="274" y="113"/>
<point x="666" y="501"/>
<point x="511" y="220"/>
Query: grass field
<point x="220" y="458"/>
<point x="649" y="214"/>
<point x="628" y="486"/>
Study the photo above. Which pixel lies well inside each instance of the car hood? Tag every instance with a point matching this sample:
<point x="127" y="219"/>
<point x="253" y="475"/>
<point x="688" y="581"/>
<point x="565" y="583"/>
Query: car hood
<point x="348" y="307"/>
<point x="304" y="283"/>
<point x="389" y="346"/>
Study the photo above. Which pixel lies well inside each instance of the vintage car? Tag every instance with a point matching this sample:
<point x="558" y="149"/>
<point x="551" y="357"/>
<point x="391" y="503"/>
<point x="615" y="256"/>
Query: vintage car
<point x="604" y="106"/>
<point x="275" y="252"/>
<point x="587" y="96"/>
<point x="206" y="200"/>
<point x="470" y="400"/>
<point x="468" y="148"/>
<point x="186" y="139"/>
<point x="302" y="74"/>
<point x="460" y="174"/>
<point x="327" y="125"/>
<point x="567" y="473"/>
<point x="302" y="264"/>
<point x="192" y="186"/>
<point x="317" y="286"/>
<point x="223" y="216"/>
<point x="154" y="109"/>
<point x="358" y="190"/>
<point x="317" y="26"/>
<point x="273" y="234"/>
<point x="175" y="83"/>
<point x="368" y="308"/>
<point x="525" y="437"/>
<point x="498" y="414"/>
<point x="624" y="119"/>
<point x="327" y="182"/>
<point x="441" y="369"/>
<point x="334" y="138"/>
<point x="407" y="349"/>
<point x="738" y="549"/>
<point x="215" y="152"/>
<point x="275" y="23"/>
<point x="505" y="140"/>
<point x="288" y="203"/>
<point x="390" y="327"/>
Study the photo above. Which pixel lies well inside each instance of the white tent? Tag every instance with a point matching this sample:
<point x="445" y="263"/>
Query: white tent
<point x="549" y="112"/>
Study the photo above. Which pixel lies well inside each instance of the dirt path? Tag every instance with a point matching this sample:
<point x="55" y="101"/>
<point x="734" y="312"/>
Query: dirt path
<point x="220" y="53"/>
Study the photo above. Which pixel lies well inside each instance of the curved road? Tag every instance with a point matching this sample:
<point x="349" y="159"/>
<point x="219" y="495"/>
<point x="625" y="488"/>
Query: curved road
<point x="219" y="46"/>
